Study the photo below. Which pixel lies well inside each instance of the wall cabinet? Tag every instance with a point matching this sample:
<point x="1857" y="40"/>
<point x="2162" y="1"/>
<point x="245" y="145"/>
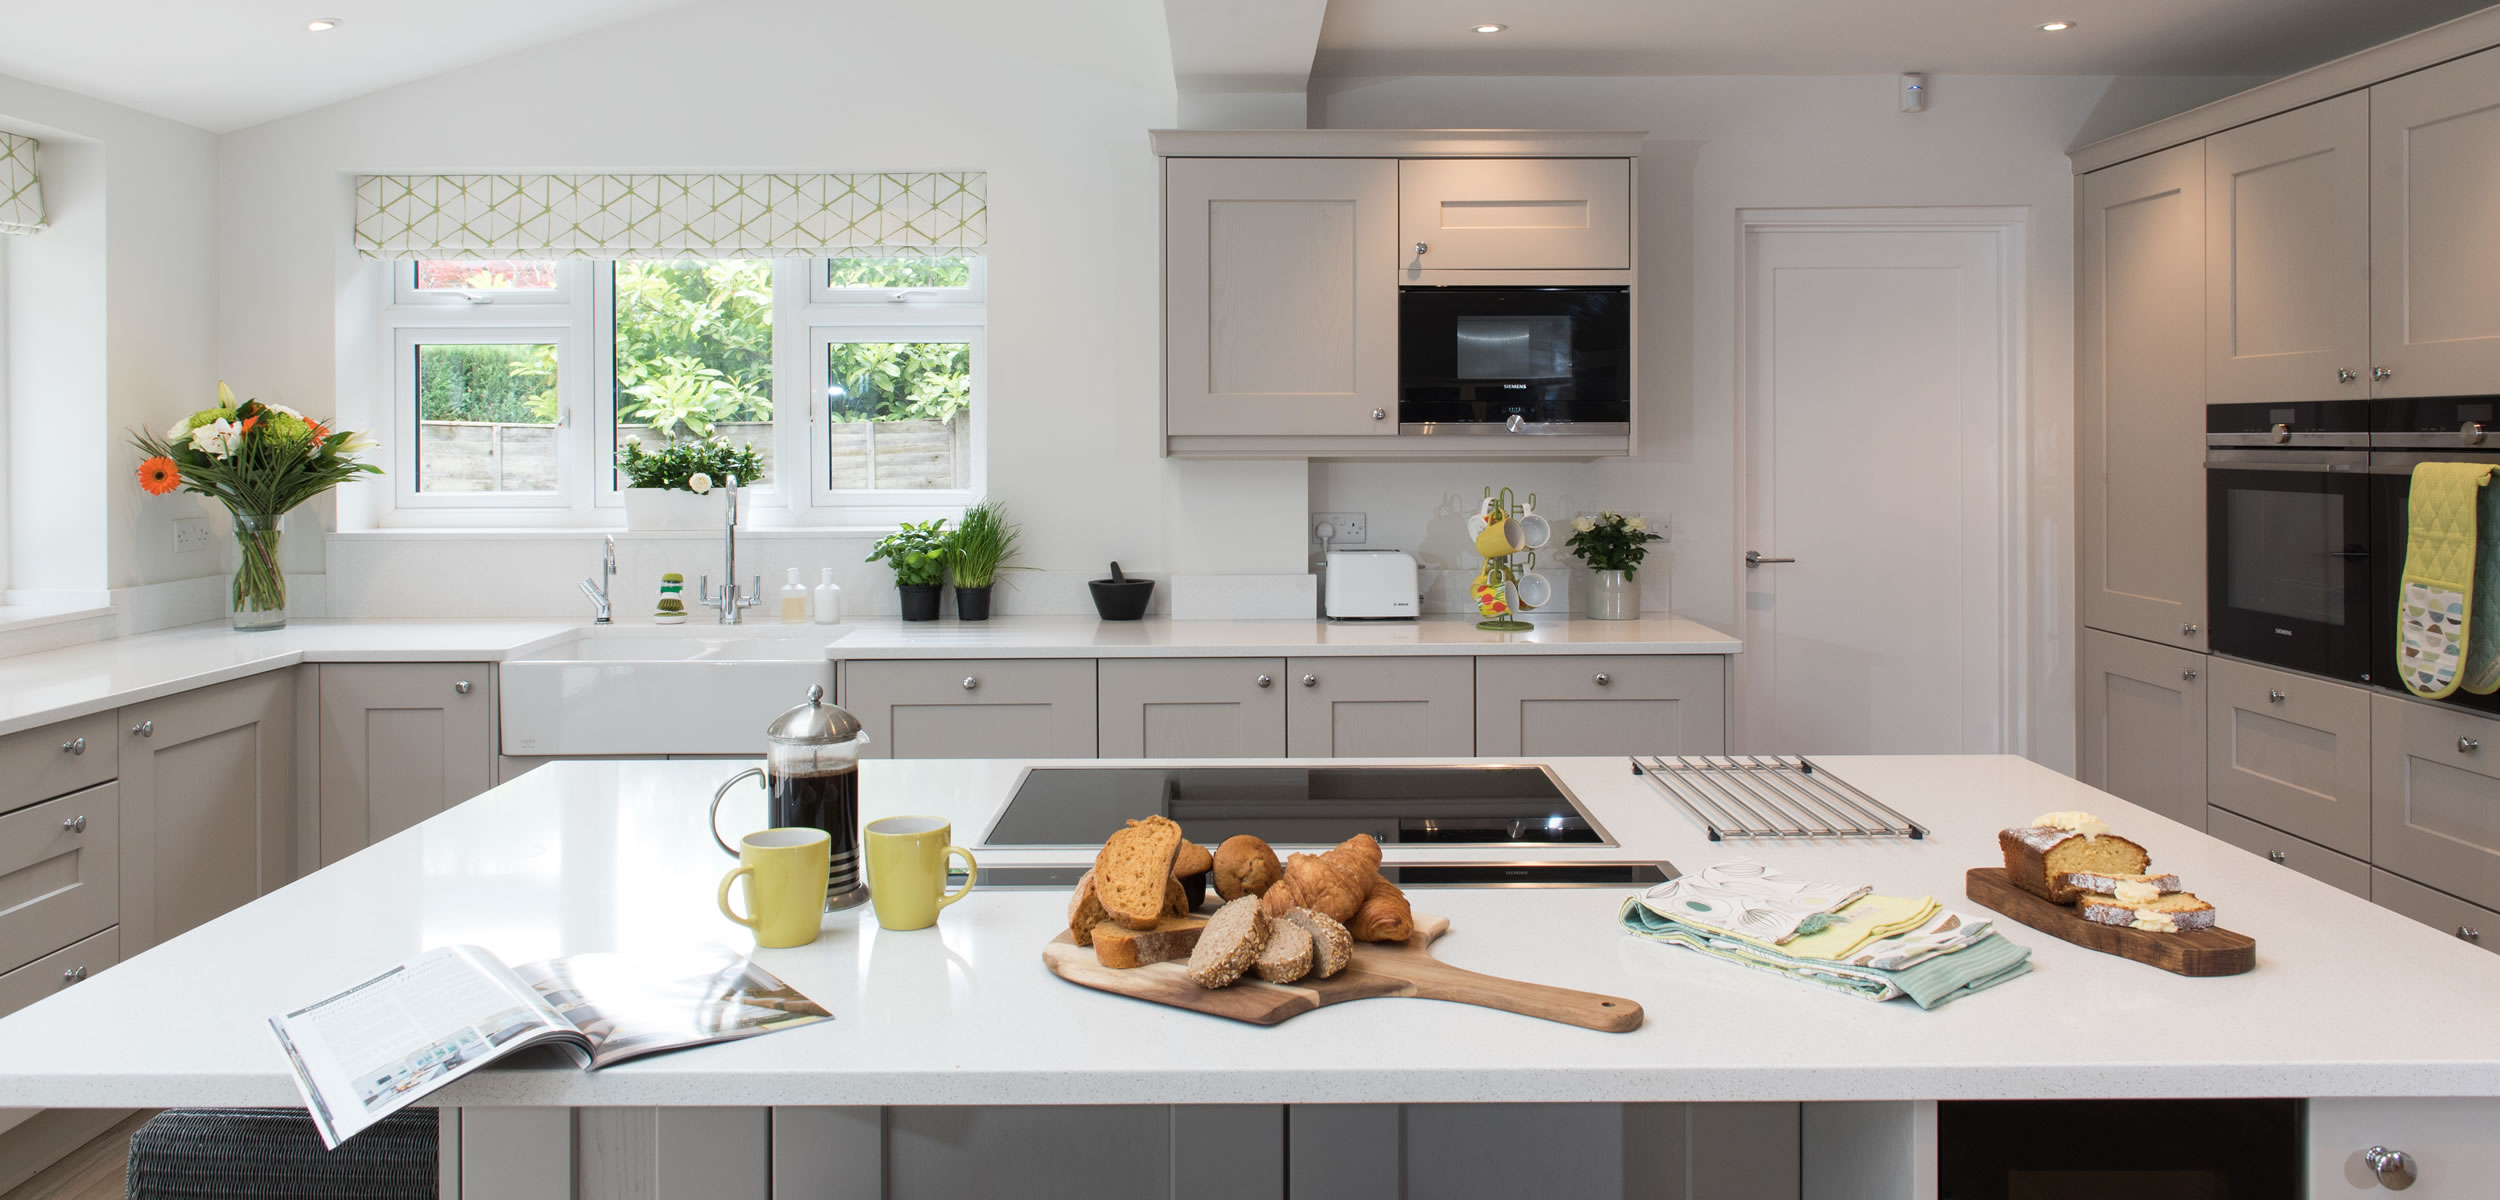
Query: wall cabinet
<point x="400" y="742"/>
<point x="2434" y="232"/>
<point x="1515" y="214"/>
<point x="2291" y="751"/>
<point x="2140" y="397"/>
<point x="207" y="799"/>
<point x="2287" y="256"/>
<point x="1281" y="297"/>
<point x="2143" y="735"/>
<point x="974" y="708"/>
<point x="2435" y="797"/>
<point x="1192" y="707"/>
<point x="1410" y="707"/>
<point x="1614" y="705"/>
<point x="2299" y="854"/>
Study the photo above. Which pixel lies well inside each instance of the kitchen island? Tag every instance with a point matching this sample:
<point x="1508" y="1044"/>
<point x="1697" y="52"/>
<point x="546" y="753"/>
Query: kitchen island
<point x="2350" y="1003"/>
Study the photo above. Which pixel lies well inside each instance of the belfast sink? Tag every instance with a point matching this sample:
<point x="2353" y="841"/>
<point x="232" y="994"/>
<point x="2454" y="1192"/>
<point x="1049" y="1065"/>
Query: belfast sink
<point x="657" y="690"/>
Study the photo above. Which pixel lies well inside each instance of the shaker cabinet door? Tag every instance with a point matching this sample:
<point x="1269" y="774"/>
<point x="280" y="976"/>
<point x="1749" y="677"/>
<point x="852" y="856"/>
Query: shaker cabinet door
<point x="974" y="707"/>
<point x="207" y="804"/>
<point x="1515" y="214"/>
<point x="2434" y="231"/>
<point x="2144" y="724"/>
<point x="1417" y="707"/>
<point x="1281" y="296"/>
<point x="2435" y="797"/>
<point x="2287" y="256"/>
<point x="2140" y="397"/>
<point x="2292" y="751"/>
<point x="1566" y="705"/>
<point x="400" y="742"/>
<point x="1192" y="707"/>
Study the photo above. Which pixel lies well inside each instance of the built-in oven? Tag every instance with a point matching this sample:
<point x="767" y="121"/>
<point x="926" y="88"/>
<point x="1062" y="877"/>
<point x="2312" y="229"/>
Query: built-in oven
<point x="2406" y="433"/>
<point x="2288" y="535"/>
<point x="1514" y="360"/>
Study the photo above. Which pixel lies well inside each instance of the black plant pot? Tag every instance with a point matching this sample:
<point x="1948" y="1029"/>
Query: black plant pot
<point x="920" y="601"/>
<point x="972" y="603"/>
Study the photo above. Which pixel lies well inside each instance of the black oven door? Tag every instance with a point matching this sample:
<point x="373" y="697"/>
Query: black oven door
<point x="2288" y="558"/>
<point x="1513" y="360"/>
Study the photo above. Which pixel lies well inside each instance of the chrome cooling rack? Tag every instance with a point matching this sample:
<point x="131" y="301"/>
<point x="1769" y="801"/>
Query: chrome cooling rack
<point x="1754" y="796"/>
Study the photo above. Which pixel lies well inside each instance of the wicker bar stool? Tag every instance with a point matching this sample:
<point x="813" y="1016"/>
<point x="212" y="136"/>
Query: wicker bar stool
<point x="274" y="1154"/>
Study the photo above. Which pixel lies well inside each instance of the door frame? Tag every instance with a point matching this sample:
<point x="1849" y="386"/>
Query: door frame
<point x="2010" y="226"/>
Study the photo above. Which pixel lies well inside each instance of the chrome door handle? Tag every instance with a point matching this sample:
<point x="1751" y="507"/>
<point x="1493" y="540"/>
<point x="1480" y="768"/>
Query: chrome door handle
<point x="2382" y="374"/>
<point x="76" y="824"/>
<point x="971" y="682"/>
<point x="1754" y="558"/>
<point x="2394" y="1168"/>
<point x="2468" y="933"/>
<point x="2274" y="695"/>
<point x="1310" y="681"/>
<point x="461" y="687"/>
<point x="2189" y="630"/>
<point x="2276" y="856"/>
<point x="71" y="975"/>
<point x="1601" y="679"/>
<point x="2345" y="375"/>
<point x="1267" y="681"/>
<point x="143" y="729"/>
<point x="2468" y="745"/>
<point x="74" y="746"/>
<point x="2188" y="674"/>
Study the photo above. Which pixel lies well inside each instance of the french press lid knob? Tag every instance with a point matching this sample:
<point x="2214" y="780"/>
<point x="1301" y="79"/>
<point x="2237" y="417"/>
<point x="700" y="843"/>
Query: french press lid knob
<point x="814" y="723"/>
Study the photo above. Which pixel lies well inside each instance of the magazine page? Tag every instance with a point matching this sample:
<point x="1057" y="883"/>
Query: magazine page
<point x="379" y="1046"/>
<point x="635" y="1004"/>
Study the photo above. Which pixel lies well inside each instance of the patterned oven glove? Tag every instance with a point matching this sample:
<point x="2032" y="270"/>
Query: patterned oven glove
<point x="2453" y="519"/>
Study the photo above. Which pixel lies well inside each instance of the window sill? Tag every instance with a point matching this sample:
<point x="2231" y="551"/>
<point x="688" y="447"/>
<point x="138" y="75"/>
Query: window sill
<point x="573" y="532"/>
<point x="36" y="616"/>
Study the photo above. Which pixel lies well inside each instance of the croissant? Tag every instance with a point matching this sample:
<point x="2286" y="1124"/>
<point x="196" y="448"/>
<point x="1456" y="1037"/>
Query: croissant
<point x="1361" y="844"/>
<point x="1311" y="881"/>
<point x="1384" y="916"/>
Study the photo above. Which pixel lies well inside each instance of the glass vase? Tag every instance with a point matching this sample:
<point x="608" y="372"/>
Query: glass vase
<point x="1613" y="597"/>
<point x="259" y="596"/>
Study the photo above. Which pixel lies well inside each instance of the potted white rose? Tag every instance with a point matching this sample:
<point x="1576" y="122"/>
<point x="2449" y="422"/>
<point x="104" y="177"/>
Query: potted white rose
<point x="1613" y="546"/>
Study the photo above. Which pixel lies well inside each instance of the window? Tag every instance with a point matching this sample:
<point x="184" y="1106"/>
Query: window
<point x="859" y="381"/>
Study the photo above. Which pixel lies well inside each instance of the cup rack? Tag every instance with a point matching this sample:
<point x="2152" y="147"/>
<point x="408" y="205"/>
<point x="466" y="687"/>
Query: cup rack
<point x="1754" y="796"/>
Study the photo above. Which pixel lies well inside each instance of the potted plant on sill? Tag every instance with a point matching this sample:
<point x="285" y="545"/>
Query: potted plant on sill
<point x="666" y="488"/>
<point x="918" y="555"/>
<point x="1613" y="546"/>
<point x="980" y="550"/>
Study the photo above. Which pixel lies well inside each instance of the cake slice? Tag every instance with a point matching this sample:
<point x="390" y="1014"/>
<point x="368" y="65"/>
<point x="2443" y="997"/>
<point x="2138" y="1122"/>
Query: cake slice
<point x="2173" y="913"/>
<point x="2112" y="885"/>
<point x="2039" y="856"/>
<point x="1171" y="940"/>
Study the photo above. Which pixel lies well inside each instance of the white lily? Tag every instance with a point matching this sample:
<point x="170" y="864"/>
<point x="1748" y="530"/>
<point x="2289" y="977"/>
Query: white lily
<point x="699" y="483"/>
<point x="174" y="432"/>
<point x="280" y="408"/>
<point x="357" y="443"/>
<point x="217" y="439"/>
<point x="225" y="395"/>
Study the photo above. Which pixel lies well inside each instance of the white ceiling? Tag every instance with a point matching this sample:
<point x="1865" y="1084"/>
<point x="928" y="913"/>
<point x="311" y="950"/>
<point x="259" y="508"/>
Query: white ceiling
<point x="1819" y="37"/>
<point x="226" y="64"/>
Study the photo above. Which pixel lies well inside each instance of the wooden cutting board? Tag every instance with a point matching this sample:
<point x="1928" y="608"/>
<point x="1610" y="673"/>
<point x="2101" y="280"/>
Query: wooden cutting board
<point x="2200" y="952"/>
<point x="1379" y="969"/>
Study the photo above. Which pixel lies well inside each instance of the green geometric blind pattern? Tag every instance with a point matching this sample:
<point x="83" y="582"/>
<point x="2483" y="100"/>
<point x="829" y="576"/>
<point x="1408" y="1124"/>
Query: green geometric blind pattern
<point x="21" y="193"/>
<point x="672" y="216"/>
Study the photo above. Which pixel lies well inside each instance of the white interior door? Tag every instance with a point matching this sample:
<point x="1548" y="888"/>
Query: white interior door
<point x="1877" y="388"/>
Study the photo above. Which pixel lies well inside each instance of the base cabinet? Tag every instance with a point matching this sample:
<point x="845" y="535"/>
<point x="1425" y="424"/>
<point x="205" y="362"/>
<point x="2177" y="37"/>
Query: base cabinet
<point x="207" y="804"/>
<point x="1192" y="707"/>
<point x="2435" y="797"/>
<point x="1608" y="706"/>
<point x="400" y="742"/>
<point x="2291" y="751"/>
<point x="2448" y="1143"/>
<point x="1411" y="707"/>
<point x="2275" y="846"/>
<point x="2143" y="735"/>
<point x="973" y="707"/>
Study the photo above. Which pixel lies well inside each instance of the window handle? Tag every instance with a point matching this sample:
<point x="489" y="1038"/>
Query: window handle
<point x="564" y="418"/>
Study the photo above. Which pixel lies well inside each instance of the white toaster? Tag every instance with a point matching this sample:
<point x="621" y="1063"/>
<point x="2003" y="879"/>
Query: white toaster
<point x="1370" y="584"/>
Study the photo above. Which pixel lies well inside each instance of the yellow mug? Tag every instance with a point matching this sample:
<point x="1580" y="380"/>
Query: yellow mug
<point x="907" y="870"/>
<point x="1500" y="538"/>
<point x="785" y="871"/>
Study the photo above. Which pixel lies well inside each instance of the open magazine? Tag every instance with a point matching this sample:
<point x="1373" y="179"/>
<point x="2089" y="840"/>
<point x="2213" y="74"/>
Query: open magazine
<point x="381" y="1045"/>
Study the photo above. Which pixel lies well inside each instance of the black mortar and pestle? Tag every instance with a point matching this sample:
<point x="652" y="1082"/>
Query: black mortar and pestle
<point x="1121" y="598"/>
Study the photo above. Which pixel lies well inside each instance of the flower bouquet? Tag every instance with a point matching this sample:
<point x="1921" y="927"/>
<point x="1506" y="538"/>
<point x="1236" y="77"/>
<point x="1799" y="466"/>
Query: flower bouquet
<point x="260" y="461"/>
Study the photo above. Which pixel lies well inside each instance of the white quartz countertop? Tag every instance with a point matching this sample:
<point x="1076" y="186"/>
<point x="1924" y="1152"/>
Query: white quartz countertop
<point x="2347" y="1000"/>
<point x="1050" y="637"/>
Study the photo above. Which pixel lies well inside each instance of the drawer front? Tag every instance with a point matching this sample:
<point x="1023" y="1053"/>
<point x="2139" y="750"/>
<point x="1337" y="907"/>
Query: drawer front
<point x="2307" y="857"/>
<point x="1515" y="214"/>
<point x="2464" y="920"/>
<point x="57" y="759"/>
<point x="1192" y="707"/>
<point x="1558" y="705"/>
<point x="2435" y="797"/>
<point x="2291" y="752"/>
<point x="974" y="707"/>
<point x="60" y="872"/>
<point x="59" y="969"/>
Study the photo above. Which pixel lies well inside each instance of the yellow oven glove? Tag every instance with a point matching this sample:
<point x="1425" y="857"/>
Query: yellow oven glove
<point x="2436" y="601"/>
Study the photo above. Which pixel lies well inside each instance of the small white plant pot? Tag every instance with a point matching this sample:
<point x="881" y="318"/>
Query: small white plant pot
<point x="650" y="509"/>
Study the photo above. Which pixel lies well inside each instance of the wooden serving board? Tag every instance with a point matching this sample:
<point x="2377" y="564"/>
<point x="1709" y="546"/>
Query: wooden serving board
<point x="2203" y="953"/>
<point x="1379" y="969"/>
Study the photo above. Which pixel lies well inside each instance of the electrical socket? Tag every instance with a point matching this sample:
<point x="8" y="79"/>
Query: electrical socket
<point x="190" y="535"/>
<point x="1349" y="528"/>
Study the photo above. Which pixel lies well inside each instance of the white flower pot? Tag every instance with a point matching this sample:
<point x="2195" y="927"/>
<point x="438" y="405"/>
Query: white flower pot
<point x="672" y="508"/>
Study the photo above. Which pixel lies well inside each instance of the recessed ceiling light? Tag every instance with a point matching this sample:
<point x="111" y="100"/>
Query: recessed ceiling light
<point x="1491" y="28"/>
<point x="2057" y="27"/>
<point x="322" y="24"/>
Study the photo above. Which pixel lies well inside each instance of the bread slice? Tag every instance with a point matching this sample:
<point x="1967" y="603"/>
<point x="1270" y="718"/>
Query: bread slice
<point x="1230" y="943"/>
<point x="1133" y="873"/>
<point x="1332" y="944"/>
<point x="1287" y="955"/>
<point x="2177" y="912"/>
<point x="1085" y="910"/>
<point x="2038" y="858"/>
<point x="2107" y="885"/>
<point x="1171" y="940"/>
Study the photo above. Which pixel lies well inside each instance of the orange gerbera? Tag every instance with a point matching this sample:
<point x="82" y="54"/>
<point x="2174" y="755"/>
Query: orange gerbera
<point x="320" y="432"/>
<point x="250" y="421"/>
<point x="159" y="475"/>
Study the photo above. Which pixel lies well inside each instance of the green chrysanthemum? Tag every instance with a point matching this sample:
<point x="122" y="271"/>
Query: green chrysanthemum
<point x="206" y="415"/>
<point x="283" y="429"/>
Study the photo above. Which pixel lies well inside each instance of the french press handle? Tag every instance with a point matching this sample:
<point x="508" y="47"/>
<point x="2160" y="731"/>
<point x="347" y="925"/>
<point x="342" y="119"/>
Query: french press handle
<point x="713" y="822"/>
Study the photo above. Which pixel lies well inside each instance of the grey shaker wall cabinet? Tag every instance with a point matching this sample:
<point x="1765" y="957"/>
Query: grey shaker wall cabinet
<point x="2287" y="256"/>
<point x="2434" y="300"/>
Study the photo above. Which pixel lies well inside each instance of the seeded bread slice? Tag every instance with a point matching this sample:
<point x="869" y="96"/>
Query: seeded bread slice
<point x="1287" y="955"/>
<point x="1133" y="873"/>
<point x="1171" y="940"/>
<point x="1332" y="944"/>
<point x="1232" y="941"/>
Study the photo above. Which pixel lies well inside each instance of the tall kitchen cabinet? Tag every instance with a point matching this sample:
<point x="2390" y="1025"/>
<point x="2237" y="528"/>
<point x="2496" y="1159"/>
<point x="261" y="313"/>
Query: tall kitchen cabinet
<point x="1281" y="296"/>
<point x="2287" y="256"/>
<point x="400" y="742"/>
<point x="2434" y="230"/>
<point x="2144" y="724"/>
<point x="207" y="804"/>
<point x="2140" y="397"/>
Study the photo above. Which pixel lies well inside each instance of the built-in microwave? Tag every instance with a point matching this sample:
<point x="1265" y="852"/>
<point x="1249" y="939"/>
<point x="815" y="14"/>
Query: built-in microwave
<point x="1515" y="360"/>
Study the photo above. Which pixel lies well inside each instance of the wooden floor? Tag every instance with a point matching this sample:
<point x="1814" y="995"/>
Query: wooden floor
<point x="91" y="1172"/>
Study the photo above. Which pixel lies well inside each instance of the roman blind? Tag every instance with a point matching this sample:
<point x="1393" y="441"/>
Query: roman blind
<point x="672" y="216"/>
<point x="21" y="193"/>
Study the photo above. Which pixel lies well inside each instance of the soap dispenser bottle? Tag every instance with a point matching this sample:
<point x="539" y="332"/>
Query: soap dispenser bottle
<point x="828" y="600"/>
<point x="794" y="600"/>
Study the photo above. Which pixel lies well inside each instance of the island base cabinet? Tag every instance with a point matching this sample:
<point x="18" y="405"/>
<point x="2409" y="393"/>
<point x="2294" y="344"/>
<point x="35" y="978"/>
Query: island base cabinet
<point x="2449" y="1144"/>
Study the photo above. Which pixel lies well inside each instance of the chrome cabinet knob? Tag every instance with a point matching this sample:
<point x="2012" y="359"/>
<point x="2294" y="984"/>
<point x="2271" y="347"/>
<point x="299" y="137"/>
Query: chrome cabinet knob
<point x="2467" y="933"/>
<point x="461" y="687"/>
<point x="1601" y="679"/>
<point x="1420" y="247"/>
<point x="73" y="974"/>
<point x="1310" y="681"/>
<point x="2276" y="856"/>
<point x="2472" y="433"/>
<point x="2394" y="1168"/>
<point x="143" y="729"/>
<point x="1380" y="414"/>
<point x="2468" y="745"/>
<point x="2189" y="630"/>
<point x="76" y="824"/>
<point x="971" y="682"/>
<point x="2274" y="695"/>
<point x="2188" y="674"/>
<point x="2382" y="374"/>
<point x="2345" y="375"/>
<point x="74" y="746"/>
<point x="1267" y="681"/>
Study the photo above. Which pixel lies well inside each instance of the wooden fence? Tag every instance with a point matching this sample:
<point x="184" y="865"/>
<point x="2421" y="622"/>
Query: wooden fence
<point x="479" y="456"/>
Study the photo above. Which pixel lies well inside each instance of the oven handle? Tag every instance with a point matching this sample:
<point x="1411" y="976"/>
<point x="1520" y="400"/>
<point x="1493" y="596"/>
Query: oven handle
<point x="2402" y="462"/>
<point x="2312" y="461"/>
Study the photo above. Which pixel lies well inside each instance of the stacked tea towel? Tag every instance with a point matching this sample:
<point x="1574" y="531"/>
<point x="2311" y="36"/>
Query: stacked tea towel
<point x="1844" y="938"/>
